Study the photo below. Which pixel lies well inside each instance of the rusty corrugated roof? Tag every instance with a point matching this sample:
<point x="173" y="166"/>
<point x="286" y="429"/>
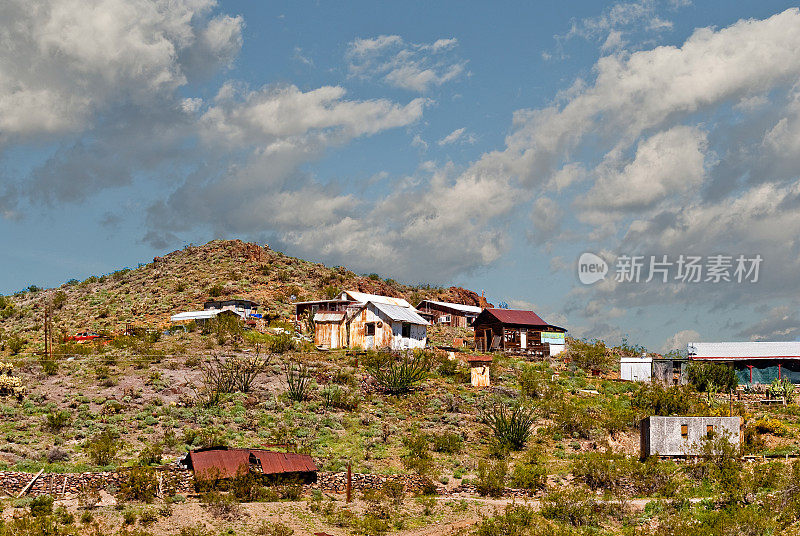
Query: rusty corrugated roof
<point x="274" y="463"/>
<point x="223" y="462"/>
<point x="329" y="316"/>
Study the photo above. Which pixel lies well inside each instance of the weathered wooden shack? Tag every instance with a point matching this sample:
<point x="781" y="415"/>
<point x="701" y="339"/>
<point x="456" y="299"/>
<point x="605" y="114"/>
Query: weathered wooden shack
<point x="330" y="329"/>
<point x="517" y="331"/>
<point x="381" y="325"/>
<point x="451" y="314"/>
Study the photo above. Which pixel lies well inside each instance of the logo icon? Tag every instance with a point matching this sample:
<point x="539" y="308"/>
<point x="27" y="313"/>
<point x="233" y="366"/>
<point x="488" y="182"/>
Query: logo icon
<point x="591" y="268"/>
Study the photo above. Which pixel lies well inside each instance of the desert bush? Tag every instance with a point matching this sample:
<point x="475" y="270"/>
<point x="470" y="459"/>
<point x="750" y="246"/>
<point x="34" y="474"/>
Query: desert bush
<point x="139" y="484"/>
<point x="654" y="399"/>
<point x="588" y="355"/>
<point x="707" y="377"/>
<point x="42" y="505"/>
<point x="268" y="528"/>
<point x="418" y="458"/>
<point x="517" y="521"/>
<point x="282" y="343"/>
<point x="530" y="472"/>
<point x="394" y="490"/>
<point x="88" y="496"/>
<point x="221" y="505"/>
<point x="620" y="474"/>
<point x="573" y="420"/>
<point x="344" y="376"/>
<point x="491" y="479"/>
<point x="511" y="428"/>
<point x="49" y="366"/>
<point x="55" y="421"/>
<point x="151" y="454"/>
<point x="534" y="381"/>
<point x="573" y="505"/>
<point x="399" y="374"/>
<point x="57" y="454"/>
<point x="59" y="299"/>
<point x="148" y="517"/>
<point x="298" y="379"/>
<point x="15" y="344"/>
<point x="102" y="448"/>
<point x="447" y="442"/>
<point x="770" y="426"/>
<point x="216" y="290"/>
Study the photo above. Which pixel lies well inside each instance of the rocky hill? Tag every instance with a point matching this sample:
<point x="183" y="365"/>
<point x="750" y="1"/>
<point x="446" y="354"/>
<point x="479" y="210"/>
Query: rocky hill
<point x="184" y="279"/>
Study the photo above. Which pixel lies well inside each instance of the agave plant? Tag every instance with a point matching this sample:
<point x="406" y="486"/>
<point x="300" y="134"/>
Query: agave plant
<point x="399" y="374"/>
<point x="511" y="426"/>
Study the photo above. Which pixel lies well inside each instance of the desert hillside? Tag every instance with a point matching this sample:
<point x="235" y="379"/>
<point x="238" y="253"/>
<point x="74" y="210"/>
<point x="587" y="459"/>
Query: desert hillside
<point x="146" y="296"/>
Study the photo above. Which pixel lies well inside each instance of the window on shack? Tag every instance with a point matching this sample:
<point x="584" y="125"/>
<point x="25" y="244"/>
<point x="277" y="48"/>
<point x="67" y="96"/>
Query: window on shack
<point x="684" y="431"/>
<point x="406" y="331"/>
<point x="369" y="329"/>
<point x="709" y="430"/>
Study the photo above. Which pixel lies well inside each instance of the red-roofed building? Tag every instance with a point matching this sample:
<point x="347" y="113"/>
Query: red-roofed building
<point x="217" y="463"/>
<point x="517" y="331"/>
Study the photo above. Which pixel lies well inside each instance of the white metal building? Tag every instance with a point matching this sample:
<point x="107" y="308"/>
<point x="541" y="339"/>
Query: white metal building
<point x="636" y="369"/>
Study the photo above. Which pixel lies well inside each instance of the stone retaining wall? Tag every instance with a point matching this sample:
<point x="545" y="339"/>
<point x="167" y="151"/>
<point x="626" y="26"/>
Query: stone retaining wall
<point x="64" y="484"/>
<point x="61" y="485"/>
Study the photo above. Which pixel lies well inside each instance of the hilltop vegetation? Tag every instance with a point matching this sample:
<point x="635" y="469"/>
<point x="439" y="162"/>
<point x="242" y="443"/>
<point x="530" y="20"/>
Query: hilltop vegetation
<point x="146" y="296"/>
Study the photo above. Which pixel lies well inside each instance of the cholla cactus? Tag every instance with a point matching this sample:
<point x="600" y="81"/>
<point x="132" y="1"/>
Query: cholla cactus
<point x="11" y="385"/>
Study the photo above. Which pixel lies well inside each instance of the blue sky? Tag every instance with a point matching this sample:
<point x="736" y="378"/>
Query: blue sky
<point x="480" y="144"/>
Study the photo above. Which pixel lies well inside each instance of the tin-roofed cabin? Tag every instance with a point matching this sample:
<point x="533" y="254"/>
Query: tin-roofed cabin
<point x="221" y="463"/>
<point x="383" y="325"/>
<point x="517" y="331"/>
<point x="452" y="314"/>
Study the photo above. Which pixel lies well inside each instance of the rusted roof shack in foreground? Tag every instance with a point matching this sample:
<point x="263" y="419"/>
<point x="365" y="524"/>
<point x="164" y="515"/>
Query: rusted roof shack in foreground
<point x="517" y="331"/>
<point x="218" y="463"/>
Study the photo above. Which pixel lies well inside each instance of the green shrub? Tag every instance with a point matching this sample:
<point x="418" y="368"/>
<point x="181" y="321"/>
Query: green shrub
<point x="139" y="484"/>
<point x="334" y="396"/>
<point x="55" y="421"/>
<point x="15" y="344"/>
<point x="151" y="454"/>
<point x="534" y="381"/>
<point x="707" y="377"/>
<point x="588" y="355"/>
<point x="574" y="420"/>
<point x="654" y="399"/>
<point x="530" y="472"/>
<point x="394" y="490"/>
<point x="148" y="517"/>
<point x="491" y="479"/>
<point x="103" y="447"/>
<point x="447" y="442"/>
<point x="282" y="343"/>
<point x="42" y="505"/>
<point x="515" y="521"/>
<point x="418" y="458"/>
<point x="49" y="366"/>
<point x="574" y="506"/>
